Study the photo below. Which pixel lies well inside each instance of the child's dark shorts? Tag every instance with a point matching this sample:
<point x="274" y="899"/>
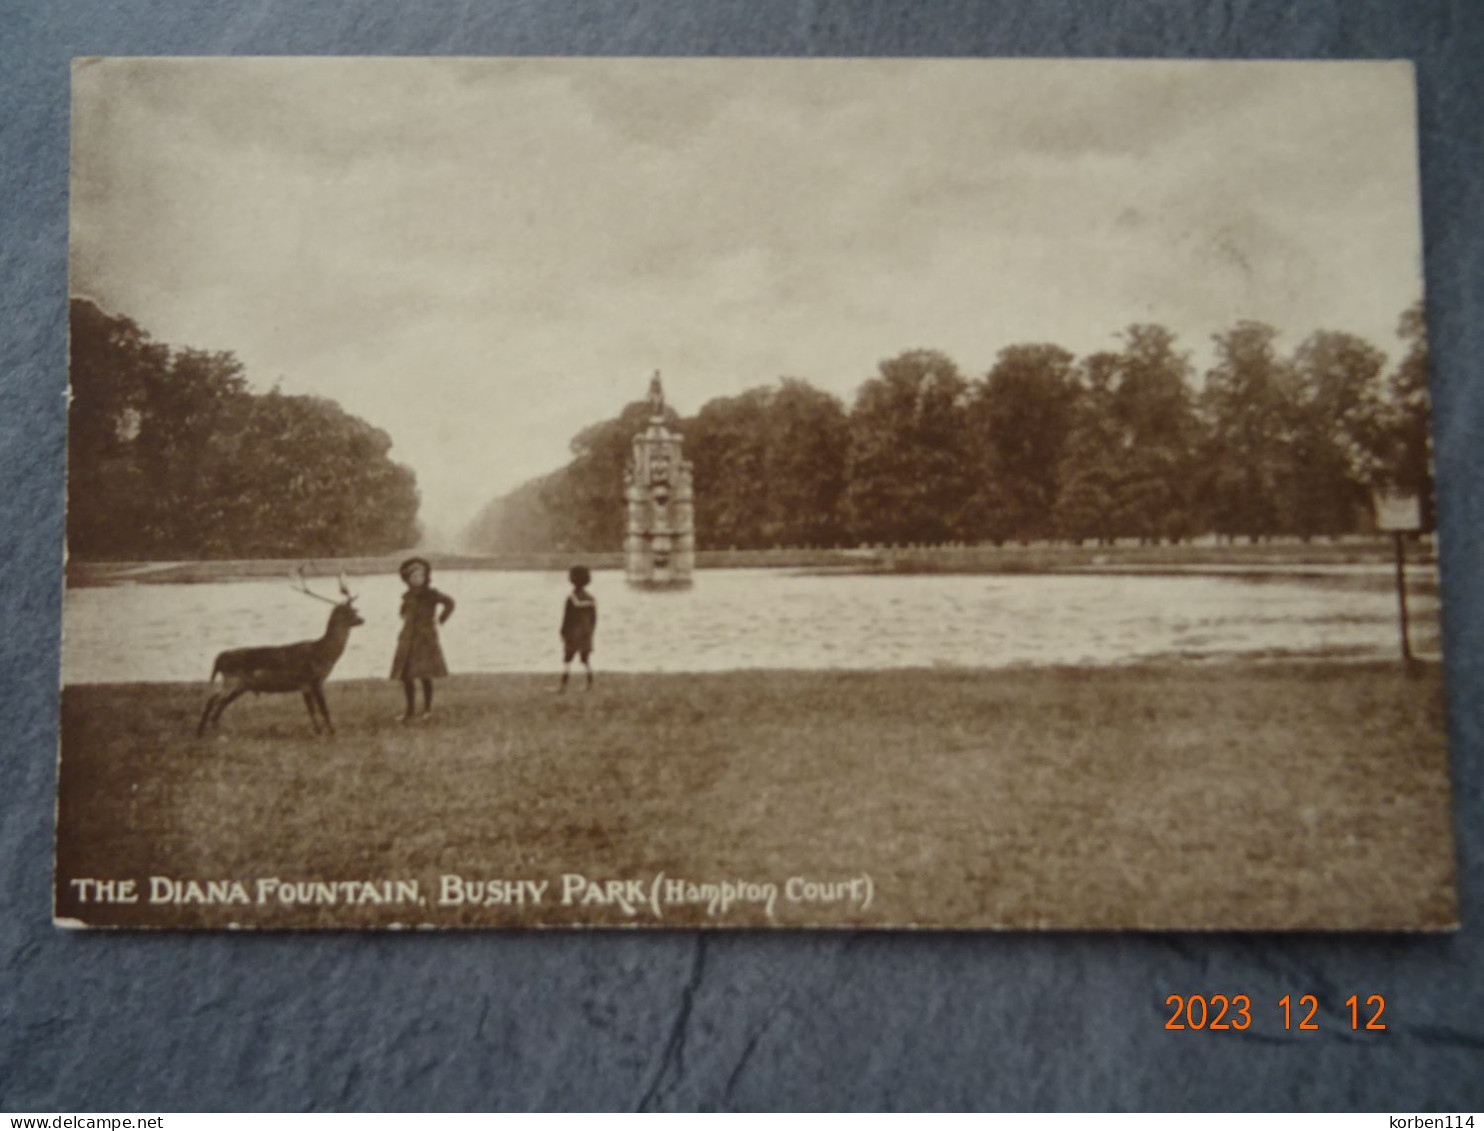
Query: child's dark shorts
<point x="582" y="648"/>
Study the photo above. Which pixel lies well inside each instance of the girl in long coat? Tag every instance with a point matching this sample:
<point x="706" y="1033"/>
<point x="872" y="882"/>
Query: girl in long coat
<point x="419" y="655"/>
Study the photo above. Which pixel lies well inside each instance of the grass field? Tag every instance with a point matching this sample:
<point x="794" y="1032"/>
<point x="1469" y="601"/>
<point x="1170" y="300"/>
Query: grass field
<point x="1285" y="795"/>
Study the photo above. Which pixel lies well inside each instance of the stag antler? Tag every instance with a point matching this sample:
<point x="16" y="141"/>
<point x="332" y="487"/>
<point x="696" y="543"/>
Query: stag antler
<point x="296" y="579"/>
<point x="345" y="589"/>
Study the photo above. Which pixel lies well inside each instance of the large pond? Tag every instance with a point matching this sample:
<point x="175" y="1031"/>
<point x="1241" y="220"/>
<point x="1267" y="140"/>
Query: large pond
<point x="507" y="621"/>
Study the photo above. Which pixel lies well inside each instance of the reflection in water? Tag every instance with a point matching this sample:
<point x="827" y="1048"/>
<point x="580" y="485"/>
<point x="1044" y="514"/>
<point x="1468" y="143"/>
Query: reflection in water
<point x="507" y="622"/>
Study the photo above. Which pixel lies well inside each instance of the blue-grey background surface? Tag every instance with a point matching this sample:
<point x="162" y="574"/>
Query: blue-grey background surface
<point x="680" y="1021"/>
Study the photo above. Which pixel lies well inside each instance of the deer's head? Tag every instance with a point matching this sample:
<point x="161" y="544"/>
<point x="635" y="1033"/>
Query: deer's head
<point x="344" y="616"/>
<point x="345" y="610"/>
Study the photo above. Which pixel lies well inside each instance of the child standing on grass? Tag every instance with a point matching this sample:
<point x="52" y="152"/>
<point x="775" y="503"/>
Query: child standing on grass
<point x="579" y="622"/>
<point x="419" y="655"/>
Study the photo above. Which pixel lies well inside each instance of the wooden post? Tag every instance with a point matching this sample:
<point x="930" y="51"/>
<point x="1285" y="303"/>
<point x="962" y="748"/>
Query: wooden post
<point x="1401" y="592"/>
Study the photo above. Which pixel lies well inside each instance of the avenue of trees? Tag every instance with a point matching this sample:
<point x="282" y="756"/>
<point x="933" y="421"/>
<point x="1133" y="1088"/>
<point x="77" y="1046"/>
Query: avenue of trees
<point x="171" y="456"/>
<point x="1131" y="443"/>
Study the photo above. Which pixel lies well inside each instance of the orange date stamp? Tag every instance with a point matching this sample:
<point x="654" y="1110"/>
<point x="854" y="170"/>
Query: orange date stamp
<point x="1215" y="1012"/>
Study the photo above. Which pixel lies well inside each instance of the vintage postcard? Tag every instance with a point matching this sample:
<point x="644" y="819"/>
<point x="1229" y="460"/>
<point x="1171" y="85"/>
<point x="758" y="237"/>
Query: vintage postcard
<point x="749" y="493"/>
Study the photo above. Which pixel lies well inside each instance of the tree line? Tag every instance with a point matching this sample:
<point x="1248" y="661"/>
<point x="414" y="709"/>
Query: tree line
<point x="172" y="456"/>
<point x="1124" y="443"/>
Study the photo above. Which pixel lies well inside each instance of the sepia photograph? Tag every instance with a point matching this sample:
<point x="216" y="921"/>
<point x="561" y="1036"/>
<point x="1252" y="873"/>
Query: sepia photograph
<point x="742" y="493"/>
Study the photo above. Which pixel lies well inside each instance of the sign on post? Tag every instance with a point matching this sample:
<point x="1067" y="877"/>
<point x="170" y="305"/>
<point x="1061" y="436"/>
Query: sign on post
<point x="1400" y="512"/>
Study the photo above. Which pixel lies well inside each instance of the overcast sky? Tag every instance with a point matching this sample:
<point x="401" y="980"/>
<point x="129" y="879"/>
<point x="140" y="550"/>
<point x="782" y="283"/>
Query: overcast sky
<point x="485" y="256"/>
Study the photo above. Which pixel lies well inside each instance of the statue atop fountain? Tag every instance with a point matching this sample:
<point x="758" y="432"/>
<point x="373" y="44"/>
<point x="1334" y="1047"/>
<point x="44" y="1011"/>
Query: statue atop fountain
<point x="656" y="397"/>
<point x="660" y="550"/>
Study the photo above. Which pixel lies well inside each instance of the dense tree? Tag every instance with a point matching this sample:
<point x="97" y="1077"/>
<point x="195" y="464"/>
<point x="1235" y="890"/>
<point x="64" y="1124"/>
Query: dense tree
<point x="587" y="499"/>
<point x="171" y="456"/>
<point x="1019" y="419"/>
<point x="1409" y="466"/>
<point x="769" y="467"/>
<point x="112" y="363"/>
<point x="1117" y="445"/>
<point x="908" y="479"/>
<point x="1154" y="409"/>
<point x="805" y="466"/>
<point x="727" y="444"/>
<point x="304" y="477"/>
<point x="1338" y="433"/>
<point x="1248" y="409"/>
<point x="1092" y="465"/>
<point x="518" y="522"/>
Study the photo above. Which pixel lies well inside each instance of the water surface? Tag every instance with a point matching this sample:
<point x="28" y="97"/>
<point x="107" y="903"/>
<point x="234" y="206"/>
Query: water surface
<point x="507" y="621"/>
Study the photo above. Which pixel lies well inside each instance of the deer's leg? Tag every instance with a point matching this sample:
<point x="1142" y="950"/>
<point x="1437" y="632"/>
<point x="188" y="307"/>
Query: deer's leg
<point x="324" y="708"/>
<point x="223" y="700"/>
<point x="309" y="706"/>
<point x="206" y="714"/>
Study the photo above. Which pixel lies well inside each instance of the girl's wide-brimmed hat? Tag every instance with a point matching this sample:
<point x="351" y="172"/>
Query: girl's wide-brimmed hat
<point x="413" y="563"/>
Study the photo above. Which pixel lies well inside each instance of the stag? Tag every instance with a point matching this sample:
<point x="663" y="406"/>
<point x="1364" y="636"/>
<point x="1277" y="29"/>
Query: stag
<point x="301" y="667"/>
